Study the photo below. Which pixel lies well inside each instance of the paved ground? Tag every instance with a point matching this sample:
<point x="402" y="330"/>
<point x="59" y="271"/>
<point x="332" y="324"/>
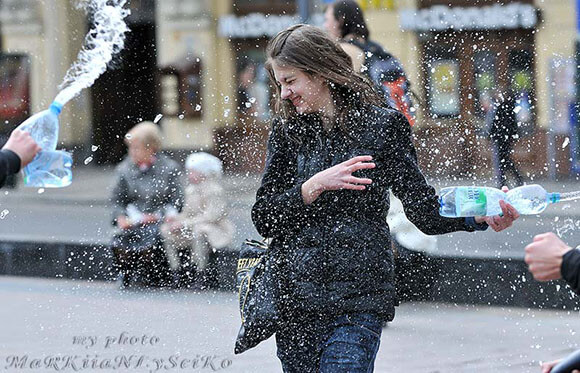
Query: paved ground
<point x="40" y="319"/>
<point x="81" y="213"/>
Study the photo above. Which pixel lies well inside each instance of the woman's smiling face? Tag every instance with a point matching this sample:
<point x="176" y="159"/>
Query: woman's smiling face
<point x="307" y="93"/>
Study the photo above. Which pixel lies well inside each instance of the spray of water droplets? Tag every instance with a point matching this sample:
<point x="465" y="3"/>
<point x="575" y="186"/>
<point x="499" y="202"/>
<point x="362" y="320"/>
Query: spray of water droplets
<point x="104" y="40"/>
<point x="567" y="226"/>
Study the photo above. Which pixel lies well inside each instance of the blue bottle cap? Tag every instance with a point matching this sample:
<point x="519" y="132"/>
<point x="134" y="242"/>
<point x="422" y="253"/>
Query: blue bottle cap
<point x="55" y="107"/>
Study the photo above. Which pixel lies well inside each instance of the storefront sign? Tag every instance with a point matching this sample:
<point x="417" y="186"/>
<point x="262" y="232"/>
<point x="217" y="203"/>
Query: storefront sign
<point x="256" y="25"/>
<point x="495" y="17"/>
<point x="184" y="14"/>
<point x="20" y="17"/>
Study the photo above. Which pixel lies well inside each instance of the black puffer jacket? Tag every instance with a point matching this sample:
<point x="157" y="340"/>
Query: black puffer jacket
<point x="335" y="255"/>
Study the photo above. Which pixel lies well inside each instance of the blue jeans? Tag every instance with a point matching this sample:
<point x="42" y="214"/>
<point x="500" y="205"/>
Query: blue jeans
<point x="347" y="343"/>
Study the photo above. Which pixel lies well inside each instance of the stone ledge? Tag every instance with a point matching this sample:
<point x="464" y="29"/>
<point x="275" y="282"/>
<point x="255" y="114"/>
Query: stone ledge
<point x="497" y="282"/>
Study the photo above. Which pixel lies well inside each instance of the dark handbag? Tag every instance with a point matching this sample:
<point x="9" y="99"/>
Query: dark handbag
<point x="138" y="238"/>
<point x="256" y="285"/>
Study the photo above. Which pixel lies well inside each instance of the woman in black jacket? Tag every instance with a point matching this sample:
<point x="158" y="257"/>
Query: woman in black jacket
<point x="333" y="155"/>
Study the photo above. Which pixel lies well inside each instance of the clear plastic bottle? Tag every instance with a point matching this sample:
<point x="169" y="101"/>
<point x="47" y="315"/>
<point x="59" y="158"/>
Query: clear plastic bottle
<point x="43" y="127"/>
<point x="50" y="168"/>
<point x="482" y="201"/>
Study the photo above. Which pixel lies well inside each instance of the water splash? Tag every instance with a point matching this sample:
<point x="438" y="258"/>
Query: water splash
<point x="566" y="226"/>
<point x="104" y="40"/>
<point x="570" y="196"/>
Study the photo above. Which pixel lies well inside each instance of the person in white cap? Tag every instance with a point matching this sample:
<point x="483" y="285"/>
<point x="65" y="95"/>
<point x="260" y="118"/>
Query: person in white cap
<point x="203" y="225"/>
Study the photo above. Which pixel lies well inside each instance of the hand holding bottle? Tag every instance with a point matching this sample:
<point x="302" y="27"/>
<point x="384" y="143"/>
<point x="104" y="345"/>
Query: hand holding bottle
<point x="50" y="168"/>
<point x="500" y="222"/>
<point x="21" y="143"/>
<point x="480" y="201"/>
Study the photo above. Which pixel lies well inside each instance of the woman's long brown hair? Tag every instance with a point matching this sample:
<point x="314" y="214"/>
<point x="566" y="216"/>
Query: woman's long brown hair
<point x="309" y="49"/>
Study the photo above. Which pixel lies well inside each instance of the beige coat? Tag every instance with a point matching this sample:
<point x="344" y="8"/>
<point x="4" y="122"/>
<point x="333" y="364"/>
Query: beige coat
<point x="205" y="214"/>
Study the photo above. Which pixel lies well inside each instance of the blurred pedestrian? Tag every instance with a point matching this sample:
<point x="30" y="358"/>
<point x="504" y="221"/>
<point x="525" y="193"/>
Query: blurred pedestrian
<point x="203" y="226"/>
<point x="19" y="150"/>
<point x="345" y="21"/>
<point x="147" y="187"/>
<point x="504" y="134"/>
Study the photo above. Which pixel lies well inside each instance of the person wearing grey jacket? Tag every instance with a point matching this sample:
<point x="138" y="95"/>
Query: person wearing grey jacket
<point x="147" y="187"/>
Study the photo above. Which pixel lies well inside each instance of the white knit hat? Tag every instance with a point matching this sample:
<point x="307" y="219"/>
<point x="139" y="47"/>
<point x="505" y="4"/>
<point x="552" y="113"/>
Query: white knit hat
<point x="205" y="163"/>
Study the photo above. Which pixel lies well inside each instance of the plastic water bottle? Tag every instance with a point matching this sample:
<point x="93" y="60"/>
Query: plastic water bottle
<point x="482" y="201"/>
<point x="50" y="168"/>
<point x="43" y="127"/>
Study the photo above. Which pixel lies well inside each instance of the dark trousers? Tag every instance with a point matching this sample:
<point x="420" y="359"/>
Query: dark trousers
<point x="505" y="164"/>
<point x="347" y="343"/>
<point x="149" y="266"/>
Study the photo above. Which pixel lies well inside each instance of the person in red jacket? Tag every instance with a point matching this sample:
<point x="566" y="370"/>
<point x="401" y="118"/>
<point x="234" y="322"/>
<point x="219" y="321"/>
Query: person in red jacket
<point x="19" y="150"/>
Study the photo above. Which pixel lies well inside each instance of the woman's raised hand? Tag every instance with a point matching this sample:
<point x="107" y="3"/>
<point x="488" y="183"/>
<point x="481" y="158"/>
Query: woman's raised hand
<point x="337" y="177"/>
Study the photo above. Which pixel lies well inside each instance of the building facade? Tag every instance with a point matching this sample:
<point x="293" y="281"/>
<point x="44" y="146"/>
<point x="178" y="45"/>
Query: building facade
<point x="199" y="63"/>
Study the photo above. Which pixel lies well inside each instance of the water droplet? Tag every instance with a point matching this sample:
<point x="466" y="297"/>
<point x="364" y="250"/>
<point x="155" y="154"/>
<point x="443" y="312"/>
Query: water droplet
<point x="227" y="99"/>
<point x="4" y="213"/>
<point x="41" y="190"/>
<point x="566" y="142"/>
<point x="157" y="118"/>
<point x="181" y="116"/>
<point x="94" y="148"/>
<point x="197" y="107"/>
<point x="88" y="160"/>
<point x="128" y="136"/>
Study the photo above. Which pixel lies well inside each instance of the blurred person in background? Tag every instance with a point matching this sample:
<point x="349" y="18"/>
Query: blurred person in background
<point x="203" y="225"/>
<point x="147" y="188"/>
<point x="503" y="132"/>
<point x="345" y="22"/>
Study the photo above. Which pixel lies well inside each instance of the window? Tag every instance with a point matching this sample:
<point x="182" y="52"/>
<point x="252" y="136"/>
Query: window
<point x="442" y="73"/>
<point x="253" y="93"/>
<point x="485" y="79"/>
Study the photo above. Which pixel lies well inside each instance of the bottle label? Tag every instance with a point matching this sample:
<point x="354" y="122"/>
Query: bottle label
<point x="470" y="201"/>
